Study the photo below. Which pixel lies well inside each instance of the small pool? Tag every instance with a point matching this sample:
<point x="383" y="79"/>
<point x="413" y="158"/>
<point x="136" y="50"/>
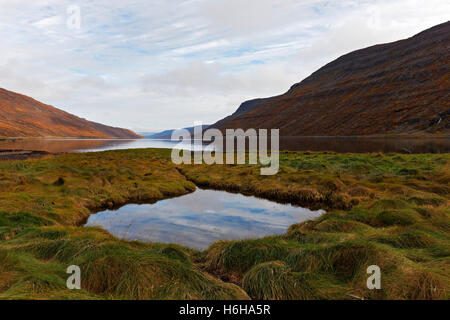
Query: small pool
<point x="201" y="218"/>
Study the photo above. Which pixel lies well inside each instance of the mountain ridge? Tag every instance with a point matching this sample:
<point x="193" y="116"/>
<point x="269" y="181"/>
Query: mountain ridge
<point x="395" y="88"/>
<point x="24" y="117"/>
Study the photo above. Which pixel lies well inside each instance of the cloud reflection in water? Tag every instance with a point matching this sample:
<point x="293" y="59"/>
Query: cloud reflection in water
<point x="199" y="219"/>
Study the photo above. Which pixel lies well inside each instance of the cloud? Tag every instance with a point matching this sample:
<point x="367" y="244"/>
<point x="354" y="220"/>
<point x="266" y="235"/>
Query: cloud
<point x="48" y="22"/>
<point x="164" y="64"/>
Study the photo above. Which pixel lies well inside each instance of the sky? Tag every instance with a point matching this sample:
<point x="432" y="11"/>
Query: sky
<point x="150" y="65"/>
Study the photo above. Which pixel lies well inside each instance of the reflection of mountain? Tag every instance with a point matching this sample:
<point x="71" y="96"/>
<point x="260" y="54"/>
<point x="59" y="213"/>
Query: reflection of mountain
<point x="366" y="144"/>
<point x="394" y="88"/>
<point x="56" y="146"/>
<point x="22" y="116"/>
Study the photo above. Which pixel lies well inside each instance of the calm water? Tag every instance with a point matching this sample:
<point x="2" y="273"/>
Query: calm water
<point x="89" y="145"/>
<point x="354" y="145"/>
<point x="201" y="218"/>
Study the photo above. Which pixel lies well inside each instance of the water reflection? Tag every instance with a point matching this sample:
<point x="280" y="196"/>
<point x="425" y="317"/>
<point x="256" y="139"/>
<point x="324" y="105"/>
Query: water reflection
<point x="366" y="145"/>
<point x="336" y="144"/>
<point x="199" y="219"/>
<point x="92" y="145"/>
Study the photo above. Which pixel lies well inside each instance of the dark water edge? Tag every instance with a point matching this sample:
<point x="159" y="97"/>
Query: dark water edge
<point x="333" y="144"/>
<point x="201" y="218"/>
<point x="367" y="144"/>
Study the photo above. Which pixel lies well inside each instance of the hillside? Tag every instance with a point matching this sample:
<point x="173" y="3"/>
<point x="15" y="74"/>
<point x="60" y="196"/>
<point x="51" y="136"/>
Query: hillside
<point x="22" y="116"/>
<point x="395" y="88"/>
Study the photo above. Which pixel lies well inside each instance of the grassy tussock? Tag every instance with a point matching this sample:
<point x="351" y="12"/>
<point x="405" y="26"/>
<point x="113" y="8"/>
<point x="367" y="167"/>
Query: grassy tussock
<point x="111" y="268"/>
<point x="131" y="275"/>
<point x="238" y="257"/>
<point x="336" y="225"/>
<point x="275" y="281"/>
<point x="345" y="261"/>
<point x="408" y="239"/>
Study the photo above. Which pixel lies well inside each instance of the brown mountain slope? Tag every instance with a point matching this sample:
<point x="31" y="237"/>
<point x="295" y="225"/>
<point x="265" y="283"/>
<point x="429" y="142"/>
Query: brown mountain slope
<point x="22" y="116"/>
<point x="395" y="88"/>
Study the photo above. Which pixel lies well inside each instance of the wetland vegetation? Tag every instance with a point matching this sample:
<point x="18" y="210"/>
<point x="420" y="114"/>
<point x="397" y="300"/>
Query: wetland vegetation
<point x="391" y="210"/>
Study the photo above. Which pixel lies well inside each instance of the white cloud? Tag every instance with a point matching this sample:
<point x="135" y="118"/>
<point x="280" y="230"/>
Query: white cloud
<point x="48" y="22"/>
<point x="161" y="64"/>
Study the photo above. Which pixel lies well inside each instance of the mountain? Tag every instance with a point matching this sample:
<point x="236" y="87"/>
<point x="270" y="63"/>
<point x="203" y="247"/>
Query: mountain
<point x="395" y="88"/>
<point x="22" y="116"/>
<point x="167" y="134"/>
<point x="157" y="135"/>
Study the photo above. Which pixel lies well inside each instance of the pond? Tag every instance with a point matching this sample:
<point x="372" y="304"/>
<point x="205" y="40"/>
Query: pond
<point x="201" y="218"/>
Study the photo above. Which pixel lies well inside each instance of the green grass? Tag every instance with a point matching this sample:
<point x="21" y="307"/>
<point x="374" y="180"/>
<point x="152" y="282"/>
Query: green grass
<point x="275" y="280"/>
<point x="386" y="209"/>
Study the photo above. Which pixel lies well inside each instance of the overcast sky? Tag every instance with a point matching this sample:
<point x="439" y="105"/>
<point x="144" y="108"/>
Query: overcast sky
<point x="158" y="64"/>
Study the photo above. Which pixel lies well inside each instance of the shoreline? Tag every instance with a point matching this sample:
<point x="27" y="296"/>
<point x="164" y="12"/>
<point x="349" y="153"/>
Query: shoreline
<point x="13" y="155"/>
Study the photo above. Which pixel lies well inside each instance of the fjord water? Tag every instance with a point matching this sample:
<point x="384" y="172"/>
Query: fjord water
<point x="201" y="218"/>
<point x="88" y="145"/>
<point x="336" y="144"/>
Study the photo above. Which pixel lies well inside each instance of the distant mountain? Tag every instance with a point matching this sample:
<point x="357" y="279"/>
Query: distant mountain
<point x="157" y="135"/>
<point x="22" y="116"/>
<point x="167" y="134"/>
<point x="396" y="88"/>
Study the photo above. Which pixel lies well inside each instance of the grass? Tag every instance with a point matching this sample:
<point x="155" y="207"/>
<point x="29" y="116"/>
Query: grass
<point x="391" y="210"/>
<point x="275" y="280"/>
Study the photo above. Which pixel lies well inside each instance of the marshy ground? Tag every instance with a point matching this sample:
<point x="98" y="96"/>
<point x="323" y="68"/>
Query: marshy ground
<point x="390" y="210"/>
